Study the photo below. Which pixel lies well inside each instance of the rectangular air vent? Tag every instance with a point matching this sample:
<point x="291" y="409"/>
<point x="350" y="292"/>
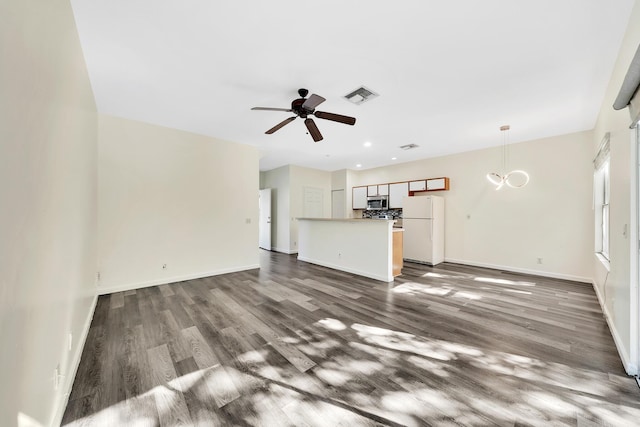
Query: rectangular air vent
<point x="409" y="146"/>
<point x="360" y="95"/>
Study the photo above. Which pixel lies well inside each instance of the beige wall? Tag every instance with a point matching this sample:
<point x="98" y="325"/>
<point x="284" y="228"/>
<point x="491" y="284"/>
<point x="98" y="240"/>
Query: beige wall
<point x="618" y="288"/>
<point x="168" y="197"/>
<point x="48" y="146"/>
<point x="551" y="218"/>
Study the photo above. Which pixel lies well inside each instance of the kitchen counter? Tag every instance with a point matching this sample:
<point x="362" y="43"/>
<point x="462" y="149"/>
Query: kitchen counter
<point x="360" y="246"/>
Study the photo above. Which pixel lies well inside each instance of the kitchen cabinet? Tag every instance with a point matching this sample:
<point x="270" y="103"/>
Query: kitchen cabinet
<point x="359" y="198"/>
<point x="420" y="185"/>
<point x="435" y="184"/>
<point x="397" y="192"/>
<point x="378" y="190"/>
<point x="397" y="256"/>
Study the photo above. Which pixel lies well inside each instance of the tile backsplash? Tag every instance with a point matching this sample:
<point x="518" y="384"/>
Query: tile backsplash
<point x="392" y="213"/>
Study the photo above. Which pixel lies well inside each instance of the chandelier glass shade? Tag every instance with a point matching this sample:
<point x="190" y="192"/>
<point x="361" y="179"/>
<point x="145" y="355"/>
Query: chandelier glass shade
<point x="514" y="179"/>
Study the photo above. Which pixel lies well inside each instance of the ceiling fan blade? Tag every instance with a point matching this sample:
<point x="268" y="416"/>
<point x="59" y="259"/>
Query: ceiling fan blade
<point x="312" y="102"/>
<point x="313" y="130"/>
<point x="279" y="125"/>
<point x="335" y="117"/>
<point x="272" y="109"/>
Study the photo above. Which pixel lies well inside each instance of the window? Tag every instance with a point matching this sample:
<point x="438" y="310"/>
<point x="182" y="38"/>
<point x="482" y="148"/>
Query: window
<point x="602" y="190"/>
<point x="604" y="208"/>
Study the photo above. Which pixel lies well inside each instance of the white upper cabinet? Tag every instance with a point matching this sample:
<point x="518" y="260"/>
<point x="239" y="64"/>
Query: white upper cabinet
<point x="420" y="185"/>
<point x="359" y="198"/>
<point x="378" y="190"/>
<point x="397" y="192"/>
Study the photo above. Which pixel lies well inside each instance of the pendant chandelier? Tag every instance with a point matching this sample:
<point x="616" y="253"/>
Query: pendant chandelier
<point x="513" y="179"/>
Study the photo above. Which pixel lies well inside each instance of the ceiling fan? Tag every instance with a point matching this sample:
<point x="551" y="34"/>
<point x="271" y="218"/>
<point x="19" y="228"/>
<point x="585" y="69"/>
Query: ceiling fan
<point x="304" y="107"/>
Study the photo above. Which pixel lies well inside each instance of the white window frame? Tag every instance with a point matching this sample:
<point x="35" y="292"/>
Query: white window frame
<point x="602" y="192"/>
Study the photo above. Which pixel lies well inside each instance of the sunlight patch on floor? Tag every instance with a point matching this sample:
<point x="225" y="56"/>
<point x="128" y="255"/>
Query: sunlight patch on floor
<point x="413" y="287"/>
<point x="401" y="341"/>
<point x="502" y="281"/>
<point x="442" y="276"/>
<point x="333" y="324"/>
<point x="467" y="295"/>
<point x="334" y="377"/>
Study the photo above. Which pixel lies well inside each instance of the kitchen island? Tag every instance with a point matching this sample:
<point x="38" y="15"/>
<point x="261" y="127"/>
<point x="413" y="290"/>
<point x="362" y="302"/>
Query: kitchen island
<point x="360" y="246"/>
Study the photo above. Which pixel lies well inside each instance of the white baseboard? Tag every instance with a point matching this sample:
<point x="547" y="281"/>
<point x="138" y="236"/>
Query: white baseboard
<point x="348" y="270"/>
<point x="630" y="368"/>
<point x="522" y="270"/>
<point x="61" y="405"/>
<point x="166" y="280"/>
<point x="285" y="251"/>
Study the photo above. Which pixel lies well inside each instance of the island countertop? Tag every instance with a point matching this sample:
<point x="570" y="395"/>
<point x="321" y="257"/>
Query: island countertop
<point x="359" y="246"/>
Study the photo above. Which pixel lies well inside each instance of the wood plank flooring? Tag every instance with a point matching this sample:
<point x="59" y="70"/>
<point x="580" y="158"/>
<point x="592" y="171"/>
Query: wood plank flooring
<point x="294" y="344"/>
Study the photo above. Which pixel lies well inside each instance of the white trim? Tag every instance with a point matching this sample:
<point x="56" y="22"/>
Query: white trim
<point x="522" y="270"/>
<point x="603" y="260"/>
<point x="347" y="269"/>
<point x="285" y="251"/>
<point x="61" y="404"/>
<point x="634" y="275"/>
<point x="629" y="367"/>
<point x="166" y="280"/>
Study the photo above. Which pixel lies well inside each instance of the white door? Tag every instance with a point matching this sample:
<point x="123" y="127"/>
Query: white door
<point x="264" y="223"/>
<point x="313" y="206"/>
<point x="337" y="204"/>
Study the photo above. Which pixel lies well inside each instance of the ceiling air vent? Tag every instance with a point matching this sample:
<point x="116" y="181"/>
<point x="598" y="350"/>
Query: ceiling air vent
<point x="409" y="146"/>
<point x="360" y="95"/>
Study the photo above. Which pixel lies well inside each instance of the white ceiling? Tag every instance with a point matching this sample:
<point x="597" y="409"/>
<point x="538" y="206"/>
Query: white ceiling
<point x="449" y="73"/>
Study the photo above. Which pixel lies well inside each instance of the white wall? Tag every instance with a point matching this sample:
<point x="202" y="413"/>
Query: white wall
<point x="551" y="218"/>
<point x="175" y="198"/>
<point x="48" y="146"/>
<point x="617" y="288"/>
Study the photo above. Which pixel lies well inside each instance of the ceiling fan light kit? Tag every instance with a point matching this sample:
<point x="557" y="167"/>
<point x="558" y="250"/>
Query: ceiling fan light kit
<point x="514" y="179"/>
<point x="304" y="107"/>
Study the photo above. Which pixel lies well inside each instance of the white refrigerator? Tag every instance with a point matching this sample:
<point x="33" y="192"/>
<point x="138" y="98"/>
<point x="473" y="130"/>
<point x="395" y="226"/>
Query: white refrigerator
<point x="423" y="223"/>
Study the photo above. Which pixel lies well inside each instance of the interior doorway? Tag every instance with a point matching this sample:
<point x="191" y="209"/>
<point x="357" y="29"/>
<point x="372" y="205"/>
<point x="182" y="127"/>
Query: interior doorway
<point x="264" y="221"/>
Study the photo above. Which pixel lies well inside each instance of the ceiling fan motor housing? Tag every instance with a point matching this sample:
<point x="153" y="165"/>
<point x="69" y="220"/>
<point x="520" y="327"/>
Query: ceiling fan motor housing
<point x="297" y="108"/>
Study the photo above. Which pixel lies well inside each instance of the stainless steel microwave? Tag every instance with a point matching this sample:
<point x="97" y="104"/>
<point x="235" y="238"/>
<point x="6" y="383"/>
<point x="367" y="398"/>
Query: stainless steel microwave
<point x="377" y="203"/>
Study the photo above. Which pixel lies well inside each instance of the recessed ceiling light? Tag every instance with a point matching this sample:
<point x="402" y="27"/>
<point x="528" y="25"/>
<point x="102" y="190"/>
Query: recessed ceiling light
<point x="358" y="165"/>
<point x="394" y="158"/>
<point x="367" y="144"/>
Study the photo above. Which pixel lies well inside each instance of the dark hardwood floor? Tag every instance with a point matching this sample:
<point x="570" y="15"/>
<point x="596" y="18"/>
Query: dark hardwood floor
<point x="294" y="344"/>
